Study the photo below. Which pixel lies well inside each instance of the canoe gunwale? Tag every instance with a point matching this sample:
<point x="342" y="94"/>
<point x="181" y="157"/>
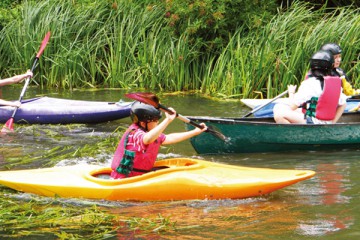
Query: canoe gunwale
<point x="270" y="121"/>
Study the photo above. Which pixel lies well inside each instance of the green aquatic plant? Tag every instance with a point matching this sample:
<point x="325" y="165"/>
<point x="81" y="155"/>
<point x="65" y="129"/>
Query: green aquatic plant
<point x="42" y="217"/>
<point x="158" y="224"/>
<point x="58" y="141"/>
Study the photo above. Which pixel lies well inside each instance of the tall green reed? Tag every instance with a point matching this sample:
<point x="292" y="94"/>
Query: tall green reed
<point x="127" y="44"/>
<point x="277" y="55"/>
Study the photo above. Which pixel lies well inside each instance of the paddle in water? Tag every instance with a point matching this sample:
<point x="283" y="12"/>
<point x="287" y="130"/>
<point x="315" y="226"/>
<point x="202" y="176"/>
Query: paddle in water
<point x="9" y="125"/>
<point x="153" y="100"/>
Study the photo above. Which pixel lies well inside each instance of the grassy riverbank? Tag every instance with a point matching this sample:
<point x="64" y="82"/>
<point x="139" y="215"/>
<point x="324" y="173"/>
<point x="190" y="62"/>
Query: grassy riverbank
<point x="131" y="45"/>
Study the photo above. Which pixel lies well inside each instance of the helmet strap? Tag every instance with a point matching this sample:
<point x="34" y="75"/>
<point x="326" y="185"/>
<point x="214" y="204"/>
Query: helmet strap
<point x="145" y="128"/>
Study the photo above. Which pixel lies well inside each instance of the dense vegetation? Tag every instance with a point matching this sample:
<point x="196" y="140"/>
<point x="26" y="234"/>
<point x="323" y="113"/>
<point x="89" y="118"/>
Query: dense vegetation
<point x="227" y="48"/>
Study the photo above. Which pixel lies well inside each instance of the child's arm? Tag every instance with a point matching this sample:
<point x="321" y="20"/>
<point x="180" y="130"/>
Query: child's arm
<point x="15" y="79"/>
<point x="154" y="133"/>
<point x="339" y="112"/>
<point x="178" y="137"/>
<point x="8" y="103"/>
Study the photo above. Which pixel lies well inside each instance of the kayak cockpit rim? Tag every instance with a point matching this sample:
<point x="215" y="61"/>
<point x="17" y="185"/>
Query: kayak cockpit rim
<point x="171" y="165"/>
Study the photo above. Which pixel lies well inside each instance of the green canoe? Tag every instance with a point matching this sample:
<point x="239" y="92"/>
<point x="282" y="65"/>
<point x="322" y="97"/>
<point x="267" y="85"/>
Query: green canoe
<point x="249" y="135"/>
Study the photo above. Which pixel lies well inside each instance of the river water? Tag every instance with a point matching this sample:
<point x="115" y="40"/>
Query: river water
<point x="323" y="207"/>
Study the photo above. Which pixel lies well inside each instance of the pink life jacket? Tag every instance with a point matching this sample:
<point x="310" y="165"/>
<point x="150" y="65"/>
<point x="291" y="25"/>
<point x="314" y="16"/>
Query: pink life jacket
<point x="329" y="100"/>
<point x="143" y="161"/>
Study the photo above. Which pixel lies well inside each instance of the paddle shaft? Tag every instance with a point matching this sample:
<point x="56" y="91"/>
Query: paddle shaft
<point x="25" y="86"/>
<point x="264" y="105"/>
<point x="191" y="122"/>
<point x="153" y="100"/>
<point x="182" y="118"/>
<point x="9" y="125"/>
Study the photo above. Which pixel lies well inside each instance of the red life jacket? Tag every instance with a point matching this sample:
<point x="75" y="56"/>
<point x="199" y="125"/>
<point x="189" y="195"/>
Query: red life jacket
<point x="327" y="103"/>
<point x="143" y="161"/>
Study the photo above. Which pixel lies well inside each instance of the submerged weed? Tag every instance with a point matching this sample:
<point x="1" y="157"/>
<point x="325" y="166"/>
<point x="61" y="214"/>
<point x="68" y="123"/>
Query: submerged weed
<point x="159" y="224"/>
<point x="43" y="217"/>
<point x="54" y="143"/>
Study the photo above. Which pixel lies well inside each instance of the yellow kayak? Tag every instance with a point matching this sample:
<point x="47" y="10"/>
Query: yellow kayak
<point x="181" y="179"/>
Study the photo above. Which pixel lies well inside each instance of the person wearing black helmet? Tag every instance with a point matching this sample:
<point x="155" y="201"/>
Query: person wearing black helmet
<point x="320" y="96"/>
<point x="138" y="148"/>
<point x="336" y="51"/>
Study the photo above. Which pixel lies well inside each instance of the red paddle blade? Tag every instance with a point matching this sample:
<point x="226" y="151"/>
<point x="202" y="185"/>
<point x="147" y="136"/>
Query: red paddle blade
<point x="148" y="98"/>
<point x="43" y="44"/>
<point x="9" y="126"/>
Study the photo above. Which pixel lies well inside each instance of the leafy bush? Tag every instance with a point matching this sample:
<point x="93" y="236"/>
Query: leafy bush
<point x="7" y="11"/>
<point x="211" y="23"/>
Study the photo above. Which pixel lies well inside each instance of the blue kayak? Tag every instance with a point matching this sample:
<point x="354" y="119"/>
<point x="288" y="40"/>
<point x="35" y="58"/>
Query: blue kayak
<point x="47" y="110"/>
<point x="267" y="111"/>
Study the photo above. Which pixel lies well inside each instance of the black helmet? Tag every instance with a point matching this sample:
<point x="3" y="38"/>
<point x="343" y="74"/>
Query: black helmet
<point x="331" y="47"/>
<point x="322" y="60"/>
<point x="141" y="112"/>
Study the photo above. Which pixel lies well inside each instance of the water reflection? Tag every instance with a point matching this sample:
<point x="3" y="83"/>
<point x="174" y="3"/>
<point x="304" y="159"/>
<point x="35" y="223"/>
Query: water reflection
<point x="333" y="181"/>
<point x="323" y="207"/>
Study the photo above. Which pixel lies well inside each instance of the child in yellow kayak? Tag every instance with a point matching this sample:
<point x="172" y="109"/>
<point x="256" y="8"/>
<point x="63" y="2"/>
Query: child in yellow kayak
<point x="11" y="80"/>
<point x="138" y="148"/>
